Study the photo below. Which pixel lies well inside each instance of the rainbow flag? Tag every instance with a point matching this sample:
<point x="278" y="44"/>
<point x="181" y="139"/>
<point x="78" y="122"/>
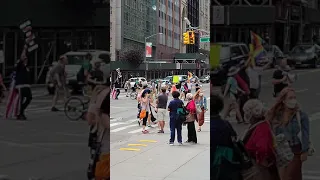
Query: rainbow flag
<point x="190" y="75"/>
<point x="258" y="50"/>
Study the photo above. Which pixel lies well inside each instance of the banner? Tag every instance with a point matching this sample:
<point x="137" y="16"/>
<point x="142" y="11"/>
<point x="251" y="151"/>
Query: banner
<point x="214" y="55"/>
<point x="148" y="49"/>
<point x="175" y="79"/>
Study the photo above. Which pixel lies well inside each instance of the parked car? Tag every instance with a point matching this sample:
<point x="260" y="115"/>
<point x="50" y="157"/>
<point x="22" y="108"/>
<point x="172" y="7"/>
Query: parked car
<point x="230" y="55"/>
<point x="204" y="79"/>
<point x="304" y="55"/>
<point x="136" y="79"/>
<point x="76" y="59"/>
<point x="272" y="52"/>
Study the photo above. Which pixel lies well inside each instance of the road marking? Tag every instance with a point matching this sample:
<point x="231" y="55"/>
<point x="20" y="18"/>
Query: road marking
<point x="130" y="107"/>
<point x="137" y="145"/>
<point x="116" y="124"/>
<point x="138" y="130"/>
<point x="129" y="149"/>
<point x="122" y="128"/>
<point x="306" y="177"/>
<point x="152" y="141"/>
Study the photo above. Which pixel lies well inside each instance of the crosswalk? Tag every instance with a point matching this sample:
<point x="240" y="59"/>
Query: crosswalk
<point x="118" y="125"/>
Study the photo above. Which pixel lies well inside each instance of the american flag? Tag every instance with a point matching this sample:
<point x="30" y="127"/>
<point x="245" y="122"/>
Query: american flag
<point x="13" y="102"/>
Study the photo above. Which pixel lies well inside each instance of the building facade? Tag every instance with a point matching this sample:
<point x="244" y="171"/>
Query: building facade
<point x="193" y="16"/>
<point x="133" y="21"/>
<point x="204" y="21"/>
<point x="56" y="33"/>
<point x="169" y="24"/>
<point x="282" y="23"/>
<point x="184" y="10"/>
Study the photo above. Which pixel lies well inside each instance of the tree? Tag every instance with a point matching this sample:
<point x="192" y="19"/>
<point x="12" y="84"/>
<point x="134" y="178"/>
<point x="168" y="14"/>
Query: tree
<point x="132" y="56"/>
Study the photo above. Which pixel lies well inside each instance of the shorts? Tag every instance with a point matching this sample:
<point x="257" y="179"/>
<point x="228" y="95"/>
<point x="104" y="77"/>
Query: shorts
<point x="162" y="114"/>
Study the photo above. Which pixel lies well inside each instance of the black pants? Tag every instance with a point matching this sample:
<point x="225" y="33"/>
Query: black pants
<point x="145" y="119"/>
<point x="25" y="99"/>
<point x="117" y="93"/>
<point x="192" y="135"/>
<point x="242" y="100"/>
<point x="254" y="94"/>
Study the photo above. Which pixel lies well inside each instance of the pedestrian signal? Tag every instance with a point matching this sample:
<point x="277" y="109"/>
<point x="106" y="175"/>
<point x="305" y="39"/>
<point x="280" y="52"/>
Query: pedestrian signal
<point x="191" y="37"/>
<point x="186" y="39"/>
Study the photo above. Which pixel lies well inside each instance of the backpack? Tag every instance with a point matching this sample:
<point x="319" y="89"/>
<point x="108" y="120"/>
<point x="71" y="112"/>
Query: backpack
<point x="182" y="113"/>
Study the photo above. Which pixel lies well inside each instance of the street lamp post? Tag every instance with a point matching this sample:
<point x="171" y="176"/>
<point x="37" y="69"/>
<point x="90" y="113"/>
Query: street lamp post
<point x="145" y="43"/>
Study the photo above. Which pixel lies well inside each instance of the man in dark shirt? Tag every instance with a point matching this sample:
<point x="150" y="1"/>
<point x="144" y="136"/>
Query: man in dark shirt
<point x="23" y="81"/>
<point x="175" y="124"/>
<point x="95" y="76"/>
<point x="162" y="108"/>
<point x="280" y="77"/>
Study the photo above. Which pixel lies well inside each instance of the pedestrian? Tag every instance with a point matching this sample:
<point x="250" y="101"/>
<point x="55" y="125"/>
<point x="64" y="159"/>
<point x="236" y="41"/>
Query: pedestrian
<point x="288" y="119"/>
<point x="259" y="143"/>
<point x="175" y="124"/>
<point x="191" y="117"/>
<point x="22" y="83"/>
<point x="280" y="77"/>
<point x="127" y="86"/>
<point x="173" y="87"/>
<point x="144" y="101"/>
<point x="98" y="117"/>
<point x="222" y="136"/>
<point x="182" y="91"/>
<point x="189" y="86"/>
<point x="161" y="109"/>
<point x="58" y="78"/>
<point x="201" y="105"/>
<point x="254" y="73"/>
<point x="230" y="94"/>
<point x="197" y="87"/>
<point x="242" y="98"/>
<point x="96" y="76"/>
<point x="186" y="90"/>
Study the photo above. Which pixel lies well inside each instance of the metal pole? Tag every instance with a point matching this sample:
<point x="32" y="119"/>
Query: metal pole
<point x="145" y="57"/>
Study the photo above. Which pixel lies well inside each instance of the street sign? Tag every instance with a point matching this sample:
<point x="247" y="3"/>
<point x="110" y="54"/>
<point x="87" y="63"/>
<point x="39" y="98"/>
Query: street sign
<point x="204" y="39"/>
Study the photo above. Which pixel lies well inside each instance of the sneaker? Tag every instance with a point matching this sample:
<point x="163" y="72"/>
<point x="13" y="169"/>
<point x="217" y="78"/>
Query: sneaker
<point x="149" y="126"/>
<point x="160" y="131"/>
<point x="180" y="144"/>
<point x="171" y="143"/>
<point x="21" y="117"/>
<point x="54" y="109"/>
<point x="145" y="132"/>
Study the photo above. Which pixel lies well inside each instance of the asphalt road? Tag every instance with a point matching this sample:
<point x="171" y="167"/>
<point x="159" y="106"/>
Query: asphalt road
<point x="47" y="146"/>
<point x="308" y="94"/>
<point x="124" y="122"/>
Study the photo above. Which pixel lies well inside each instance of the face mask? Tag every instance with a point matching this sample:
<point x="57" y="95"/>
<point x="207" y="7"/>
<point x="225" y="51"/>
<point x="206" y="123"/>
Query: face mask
<point x="291" y="103"/>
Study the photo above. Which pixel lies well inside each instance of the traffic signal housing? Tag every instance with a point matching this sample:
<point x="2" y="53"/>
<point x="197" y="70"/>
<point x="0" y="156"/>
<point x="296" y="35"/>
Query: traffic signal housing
<point x="191" y="37"/>
<point x="186" y="39"/>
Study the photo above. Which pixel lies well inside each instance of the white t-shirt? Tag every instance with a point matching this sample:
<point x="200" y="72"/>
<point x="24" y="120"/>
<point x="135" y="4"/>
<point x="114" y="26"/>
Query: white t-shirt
<point x="189" y="86"/>
<point x="254" y="74"/>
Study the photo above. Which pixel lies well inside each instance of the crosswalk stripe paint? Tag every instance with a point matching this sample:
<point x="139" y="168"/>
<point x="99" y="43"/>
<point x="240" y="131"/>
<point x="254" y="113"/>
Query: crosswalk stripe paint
<point x="138" y="130"/>
<point x="123" y="128"/>
<point x="115" y="124"/>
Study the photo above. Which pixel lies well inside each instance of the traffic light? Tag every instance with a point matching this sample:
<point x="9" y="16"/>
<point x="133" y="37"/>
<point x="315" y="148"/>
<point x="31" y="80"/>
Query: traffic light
<point x="186" y="39"/>
<point x="191" y="37"/>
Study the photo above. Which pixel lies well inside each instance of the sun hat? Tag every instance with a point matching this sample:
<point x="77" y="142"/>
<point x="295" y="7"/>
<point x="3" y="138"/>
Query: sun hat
<point x="233" y="71"/>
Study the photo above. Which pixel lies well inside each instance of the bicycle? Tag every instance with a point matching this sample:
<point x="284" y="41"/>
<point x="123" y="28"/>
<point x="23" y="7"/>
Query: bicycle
<point x="77" y="105"/>
<point x="133" y="95"/>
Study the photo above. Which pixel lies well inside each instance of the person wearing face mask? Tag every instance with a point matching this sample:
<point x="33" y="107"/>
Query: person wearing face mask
<point x="201" y="106"/>
<point x="286" y="118"/>
<point x="258" y="141"/>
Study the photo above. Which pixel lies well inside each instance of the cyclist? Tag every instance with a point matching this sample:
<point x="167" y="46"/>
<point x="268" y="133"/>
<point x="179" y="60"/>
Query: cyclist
<point x="83" y="74"/>
<point x="95" y="76"/>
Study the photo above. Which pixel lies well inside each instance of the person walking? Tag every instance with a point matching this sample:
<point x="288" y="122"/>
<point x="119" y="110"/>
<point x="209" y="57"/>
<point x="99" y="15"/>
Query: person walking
<point x="127" y="87"/>
<point x="175" y="124"/>
<point x="98" y="117"/>
<point x="259" y="143"/>
<point x="288" y="119"/>
<point x="22" y="83"/>
<point x="231" y="94"/>
<point x="144" y="99"/>
<point x="191" y="117"/>
<point x="161" y="109"/>
<point x="201" y="105"/>
<point x="58" y="76"/>
<point x="280" y="77"/>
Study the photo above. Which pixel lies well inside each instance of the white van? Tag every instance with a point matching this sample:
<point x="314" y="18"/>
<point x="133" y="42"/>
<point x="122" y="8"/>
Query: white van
<point x="136" y="79"/>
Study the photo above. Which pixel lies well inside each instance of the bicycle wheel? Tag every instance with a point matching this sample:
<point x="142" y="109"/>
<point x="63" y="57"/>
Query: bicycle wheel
<point x="74" y="108"/>
<point x="133" y="96"/>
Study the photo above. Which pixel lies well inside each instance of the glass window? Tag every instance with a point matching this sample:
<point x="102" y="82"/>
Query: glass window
<point x="236" y="51"/>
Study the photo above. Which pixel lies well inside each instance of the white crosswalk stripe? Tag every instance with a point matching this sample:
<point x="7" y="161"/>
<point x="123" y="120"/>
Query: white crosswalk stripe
<point x="118" y="125"/>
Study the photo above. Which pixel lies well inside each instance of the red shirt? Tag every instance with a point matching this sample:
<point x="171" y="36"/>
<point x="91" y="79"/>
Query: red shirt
<point x="242" y="84"/>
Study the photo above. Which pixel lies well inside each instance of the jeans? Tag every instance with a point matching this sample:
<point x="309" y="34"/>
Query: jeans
<point x="175" y="125"/>
<point x="192" y="135"/>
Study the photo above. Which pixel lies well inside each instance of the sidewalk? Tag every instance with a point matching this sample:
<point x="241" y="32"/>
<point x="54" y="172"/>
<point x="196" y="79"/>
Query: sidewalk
<point x="156" y="160"/>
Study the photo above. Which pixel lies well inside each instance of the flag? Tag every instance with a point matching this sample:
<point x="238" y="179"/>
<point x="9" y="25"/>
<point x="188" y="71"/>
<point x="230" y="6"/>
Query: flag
<point x="258" y="49"/>
<point x="13" y="102"/>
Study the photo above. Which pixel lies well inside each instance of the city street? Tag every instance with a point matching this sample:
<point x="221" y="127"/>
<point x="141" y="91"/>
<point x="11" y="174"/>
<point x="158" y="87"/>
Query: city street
<point x="47" y="146"/>
<point x="148" y="156"/>
<point x="308" y="94"/>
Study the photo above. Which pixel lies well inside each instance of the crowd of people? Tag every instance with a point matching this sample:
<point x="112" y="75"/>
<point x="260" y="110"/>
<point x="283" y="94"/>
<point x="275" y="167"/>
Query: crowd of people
<point x="156" y="107"/>
<point x="277" y="139"/>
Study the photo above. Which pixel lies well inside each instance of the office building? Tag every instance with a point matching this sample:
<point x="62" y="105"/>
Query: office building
<point x="169" y="24"/>
<point x="193" y="16"/>
<point x="204" y="22"/>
